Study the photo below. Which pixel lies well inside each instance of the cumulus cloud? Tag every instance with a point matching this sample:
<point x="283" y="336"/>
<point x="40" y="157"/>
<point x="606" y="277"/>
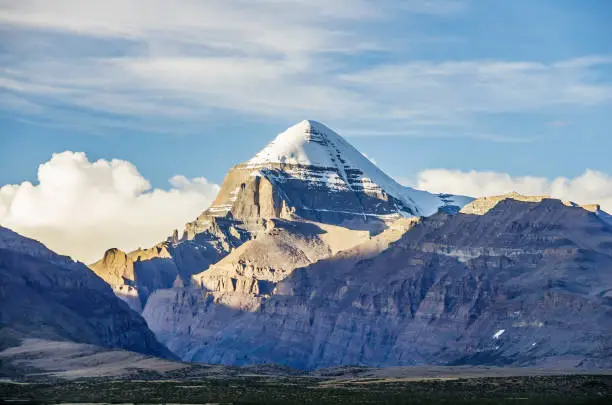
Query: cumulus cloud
<point x="590" y="187"/>
<point x="81" y="208"/>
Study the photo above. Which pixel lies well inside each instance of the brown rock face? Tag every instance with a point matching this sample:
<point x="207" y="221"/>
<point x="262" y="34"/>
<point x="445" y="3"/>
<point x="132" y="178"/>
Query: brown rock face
<point x="481" y="206"/>
<point x="115" y="267"/>
<point x="254" y="268"/>
<point x="276" y="191"/>
<point x="253" y="196"/>
<point x="135" y="275"/>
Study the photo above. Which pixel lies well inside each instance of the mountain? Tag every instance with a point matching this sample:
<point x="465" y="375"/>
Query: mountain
<point x="312" y="257"/>
<point x="511" y="280"/>
<point x="311" y="172"/>
<point x="298" y="197"/>
<point x="47" y="296"/>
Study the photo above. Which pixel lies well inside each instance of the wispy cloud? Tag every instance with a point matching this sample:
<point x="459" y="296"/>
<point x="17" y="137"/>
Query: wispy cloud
<point x="485" y="86"/>
<point x="158" y="59"/>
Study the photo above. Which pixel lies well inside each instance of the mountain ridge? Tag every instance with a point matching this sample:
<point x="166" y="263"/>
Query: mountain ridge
<point x="48" y="296"/>
<point x="525" y="284"/>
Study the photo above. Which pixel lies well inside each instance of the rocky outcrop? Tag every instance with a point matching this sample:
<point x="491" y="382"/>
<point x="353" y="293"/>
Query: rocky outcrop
<point x="481" y="206"/>
<point x="135" y="275"/>
<point x="253" y="269"/>
<point x="526" y="284"/>
<point x="47" y="296"/>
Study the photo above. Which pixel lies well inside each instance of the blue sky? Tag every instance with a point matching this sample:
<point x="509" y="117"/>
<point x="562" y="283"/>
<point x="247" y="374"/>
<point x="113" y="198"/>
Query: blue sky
<point x="523" y="87"/>
<point x="502" y="95"/>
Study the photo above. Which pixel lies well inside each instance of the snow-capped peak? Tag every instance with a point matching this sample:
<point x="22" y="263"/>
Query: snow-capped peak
<point x="305" y="143"/>
<point x="311" y="143"/>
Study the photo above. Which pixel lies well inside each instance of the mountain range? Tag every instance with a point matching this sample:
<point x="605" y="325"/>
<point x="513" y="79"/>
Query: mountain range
<point x="311" y="257"/>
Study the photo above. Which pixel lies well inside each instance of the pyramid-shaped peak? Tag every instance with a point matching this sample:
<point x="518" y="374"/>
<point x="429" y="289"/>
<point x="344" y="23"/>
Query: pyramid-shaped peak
<point x="308" y="142"/>
<point x="309" y="171"/>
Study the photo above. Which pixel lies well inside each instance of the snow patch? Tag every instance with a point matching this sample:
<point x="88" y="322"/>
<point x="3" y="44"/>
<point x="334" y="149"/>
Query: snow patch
<point x="498" y="334"/>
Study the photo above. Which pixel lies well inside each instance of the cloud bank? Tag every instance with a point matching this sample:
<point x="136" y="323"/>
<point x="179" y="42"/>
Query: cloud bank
<point x="590" y="187"/>
<point x="81" y="208"/>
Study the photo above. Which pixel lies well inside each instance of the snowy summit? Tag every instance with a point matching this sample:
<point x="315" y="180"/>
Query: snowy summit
<point x="320" y="176"/>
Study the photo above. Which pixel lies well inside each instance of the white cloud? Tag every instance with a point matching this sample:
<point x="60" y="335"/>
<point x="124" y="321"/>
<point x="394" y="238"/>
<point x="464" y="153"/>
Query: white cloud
<point x="588" y="188"/>
<point x="81" y="208"/>
<point x="236" y="26"/>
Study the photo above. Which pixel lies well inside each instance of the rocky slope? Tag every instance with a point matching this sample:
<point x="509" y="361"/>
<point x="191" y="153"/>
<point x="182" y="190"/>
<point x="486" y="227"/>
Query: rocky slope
<point x="255" y="268"/>
<point x="522" y="283"/>
<point x="48" y="296"/>
<point x="225" y="290"/>
<point x="302" y="198"/>
<point x="133" y="276"/>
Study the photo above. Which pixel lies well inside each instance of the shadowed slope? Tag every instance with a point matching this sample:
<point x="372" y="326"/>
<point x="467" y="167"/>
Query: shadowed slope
<point x="47" y="296"/>
<point x="524" y="284"/>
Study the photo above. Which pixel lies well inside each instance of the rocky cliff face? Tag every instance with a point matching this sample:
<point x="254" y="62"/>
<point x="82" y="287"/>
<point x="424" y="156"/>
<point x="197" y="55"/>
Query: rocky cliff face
<point x="524" y="283"/>
<point x="48" y="296"/>
<point x="135" y="275"/>
<point x="252" y="271"/>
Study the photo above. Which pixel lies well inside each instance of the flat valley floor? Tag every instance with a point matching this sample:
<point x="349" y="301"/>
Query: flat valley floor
<point x="525" y="390"/>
